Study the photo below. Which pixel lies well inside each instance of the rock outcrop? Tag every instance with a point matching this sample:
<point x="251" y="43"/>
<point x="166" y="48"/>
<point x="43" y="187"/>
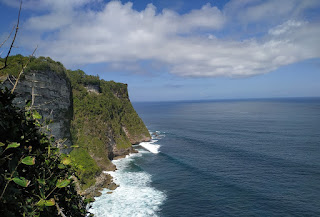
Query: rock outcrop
<point x="136" y="138"/>
<point x="51" y="95"/>
<point x="93" y="88"/>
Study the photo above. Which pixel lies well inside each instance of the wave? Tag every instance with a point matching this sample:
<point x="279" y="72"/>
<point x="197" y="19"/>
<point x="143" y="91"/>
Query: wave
<point x="134" y="197"/>
<point x="150" y="146"/>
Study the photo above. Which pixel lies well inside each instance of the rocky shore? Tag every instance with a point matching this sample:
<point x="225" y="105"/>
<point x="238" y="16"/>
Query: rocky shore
<point x="104" y="180"/>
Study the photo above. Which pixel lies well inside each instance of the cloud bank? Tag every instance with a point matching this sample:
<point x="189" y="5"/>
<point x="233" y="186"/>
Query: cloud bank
<point x="188" y="44"/>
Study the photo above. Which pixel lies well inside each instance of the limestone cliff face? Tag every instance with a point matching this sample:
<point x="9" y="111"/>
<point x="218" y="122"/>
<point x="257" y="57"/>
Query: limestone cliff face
<point x="50" y="95"/>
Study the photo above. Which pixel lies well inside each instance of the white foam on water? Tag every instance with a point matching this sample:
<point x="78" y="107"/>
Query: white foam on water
<point x="150" y="146"/>
<point x="134" y="197"/>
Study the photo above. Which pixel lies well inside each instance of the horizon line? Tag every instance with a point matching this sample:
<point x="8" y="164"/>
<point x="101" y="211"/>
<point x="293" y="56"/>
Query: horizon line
<point x="230" y="99"/>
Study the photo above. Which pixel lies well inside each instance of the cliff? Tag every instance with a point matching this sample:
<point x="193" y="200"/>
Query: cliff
<point x="94" y="115"/>
<point x="49" y="91"/>
<point x="105" y="124"/>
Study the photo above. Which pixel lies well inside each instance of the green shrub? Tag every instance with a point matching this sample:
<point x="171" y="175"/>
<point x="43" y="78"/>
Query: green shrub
<point x="35" y="179"/>
<point x="17" y="62"/>
<point x="86" y="167"/>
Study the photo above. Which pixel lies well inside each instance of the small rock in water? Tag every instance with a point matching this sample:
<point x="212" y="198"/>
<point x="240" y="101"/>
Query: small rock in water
<point x="113" y="186"/>
<point x="97" y="194"/>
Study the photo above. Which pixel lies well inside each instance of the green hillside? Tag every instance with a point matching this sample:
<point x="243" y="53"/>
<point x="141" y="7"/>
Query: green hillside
<point x="97" y="124"/>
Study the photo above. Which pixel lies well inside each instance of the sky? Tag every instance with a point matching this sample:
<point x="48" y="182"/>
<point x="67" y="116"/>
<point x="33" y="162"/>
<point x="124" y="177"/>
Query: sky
<point x="168" y="50"/>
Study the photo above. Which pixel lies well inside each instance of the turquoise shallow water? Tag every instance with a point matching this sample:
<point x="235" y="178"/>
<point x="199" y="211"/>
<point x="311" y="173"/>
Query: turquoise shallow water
<point x="231" y="158"/>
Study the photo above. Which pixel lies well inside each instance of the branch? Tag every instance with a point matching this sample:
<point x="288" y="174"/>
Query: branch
<point x="14" y="38"/>
<point x="60" y="210"/>
<point x="10" y="79"/>
<point x="10" y="179"/>
<point x="8" y="36"/>
<point x="15" y="85"/>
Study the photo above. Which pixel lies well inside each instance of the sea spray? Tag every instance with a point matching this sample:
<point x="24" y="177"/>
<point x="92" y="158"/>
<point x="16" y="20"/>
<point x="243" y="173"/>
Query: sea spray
<point x="135" y="196"/>
<point x="151" y="146"/>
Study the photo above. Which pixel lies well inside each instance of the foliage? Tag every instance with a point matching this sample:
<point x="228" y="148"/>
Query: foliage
<point x="16" y="63"/>
<point x="46" y="64"/>
<point x="87" y="169"/>
<point x="35" y="179"/>
<point x="98" y="123"/>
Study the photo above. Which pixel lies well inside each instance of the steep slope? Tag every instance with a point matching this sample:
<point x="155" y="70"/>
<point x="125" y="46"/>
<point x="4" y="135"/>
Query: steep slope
<point x="104" y="126"/>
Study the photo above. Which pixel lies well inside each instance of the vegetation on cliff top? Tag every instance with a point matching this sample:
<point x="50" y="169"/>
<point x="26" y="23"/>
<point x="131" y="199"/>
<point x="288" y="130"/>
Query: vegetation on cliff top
<point x="16" y="63"/>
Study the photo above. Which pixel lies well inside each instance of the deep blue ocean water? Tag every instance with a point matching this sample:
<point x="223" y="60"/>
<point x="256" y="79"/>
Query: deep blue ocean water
<point x="224" y="158"/>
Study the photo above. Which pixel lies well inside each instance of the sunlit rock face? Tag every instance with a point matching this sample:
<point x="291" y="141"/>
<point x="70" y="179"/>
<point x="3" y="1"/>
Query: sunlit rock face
<point x="93" y="89"/>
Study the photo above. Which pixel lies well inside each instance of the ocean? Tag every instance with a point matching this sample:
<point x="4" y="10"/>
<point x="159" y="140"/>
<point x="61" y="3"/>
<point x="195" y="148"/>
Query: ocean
<point x="221" y="158"/>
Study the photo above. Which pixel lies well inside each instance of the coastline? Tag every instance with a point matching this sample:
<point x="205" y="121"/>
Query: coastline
<point x="103" y="181"/>
<point x="130" y="186"/>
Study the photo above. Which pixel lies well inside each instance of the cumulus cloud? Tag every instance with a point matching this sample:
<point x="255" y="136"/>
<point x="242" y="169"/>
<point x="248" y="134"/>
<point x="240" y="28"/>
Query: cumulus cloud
<point x="187" y="44"/>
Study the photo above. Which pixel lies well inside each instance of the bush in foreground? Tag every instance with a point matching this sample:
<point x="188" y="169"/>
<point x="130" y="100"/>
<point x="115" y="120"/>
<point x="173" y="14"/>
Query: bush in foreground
<point x="35" y="179"/>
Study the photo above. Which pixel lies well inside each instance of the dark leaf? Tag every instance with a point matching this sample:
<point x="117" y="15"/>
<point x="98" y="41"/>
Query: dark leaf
<point x="41" y="181"/>
<point x="50" y="202"/>
<point x="29" y="160"/>
<point x="62" y="183"/>
<point x="36" y="115"/>
<point x="13" y="145"/>
<point x="61" y="166"/>
<point x="21" y="181"/>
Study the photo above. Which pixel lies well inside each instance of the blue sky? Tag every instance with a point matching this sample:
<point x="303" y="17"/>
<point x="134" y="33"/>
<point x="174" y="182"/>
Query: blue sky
<point x="179" y="50"/>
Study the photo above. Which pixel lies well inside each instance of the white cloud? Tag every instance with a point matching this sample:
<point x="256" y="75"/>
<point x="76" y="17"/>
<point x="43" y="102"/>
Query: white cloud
<point x="285" y="27"/>
<point x="267" y="11"/>
<point x="187" y="44"/>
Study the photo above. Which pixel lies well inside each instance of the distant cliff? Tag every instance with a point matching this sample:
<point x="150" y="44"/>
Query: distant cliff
<point x="94" y="115"/>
